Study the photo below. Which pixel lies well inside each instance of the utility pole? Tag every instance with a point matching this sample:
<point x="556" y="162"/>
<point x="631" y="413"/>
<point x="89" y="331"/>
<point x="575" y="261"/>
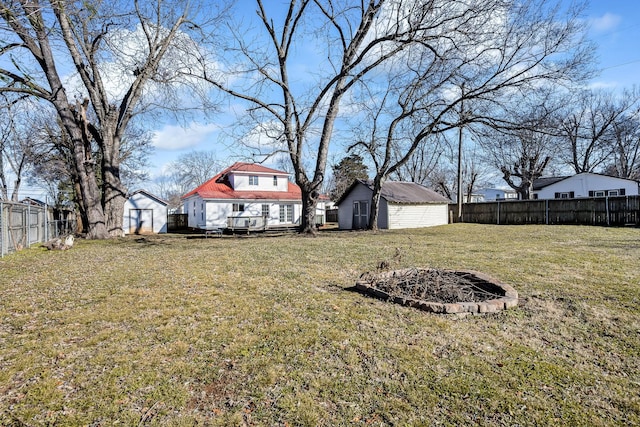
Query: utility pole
<point x="461" y="118"/>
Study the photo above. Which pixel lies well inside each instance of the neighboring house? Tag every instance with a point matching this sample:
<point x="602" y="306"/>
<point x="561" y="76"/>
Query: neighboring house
<point x="402" y="205"/>
<point x="33" y="202"/>
<point x="144" y="213"/>
<point x="494" y="194"/>
<point x="246" y="196"/>
<point x="584" y="185"/>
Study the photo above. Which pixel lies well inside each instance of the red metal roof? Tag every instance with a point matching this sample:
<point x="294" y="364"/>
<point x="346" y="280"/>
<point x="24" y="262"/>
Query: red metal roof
<point x="219" y="186"/>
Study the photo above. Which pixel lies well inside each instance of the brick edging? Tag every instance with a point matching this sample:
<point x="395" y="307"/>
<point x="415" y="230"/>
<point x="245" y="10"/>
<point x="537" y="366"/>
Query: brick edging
<point x="509" y="298"/>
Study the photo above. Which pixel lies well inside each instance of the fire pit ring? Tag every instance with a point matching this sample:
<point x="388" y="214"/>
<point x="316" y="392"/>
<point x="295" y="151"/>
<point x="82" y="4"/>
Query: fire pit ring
<point x="485" y="294"/>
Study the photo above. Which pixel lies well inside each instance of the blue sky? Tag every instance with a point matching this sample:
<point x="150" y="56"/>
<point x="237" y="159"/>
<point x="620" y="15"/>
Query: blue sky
<point x="614" y="27"/>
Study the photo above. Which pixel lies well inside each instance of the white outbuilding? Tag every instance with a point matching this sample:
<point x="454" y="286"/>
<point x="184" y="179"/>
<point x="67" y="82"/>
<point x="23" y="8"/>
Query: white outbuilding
<point x="402" y="205"/>
<point x="144" y="213"/>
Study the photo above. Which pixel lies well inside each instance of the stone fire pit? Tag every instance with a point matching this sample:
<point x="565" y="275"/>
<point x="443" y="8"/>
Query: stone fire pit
<point x="440" y="291"/>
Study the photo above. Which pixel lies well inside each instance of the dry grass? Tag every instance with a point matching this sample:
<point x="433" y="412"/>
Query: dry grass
<point x="265" y="331"/>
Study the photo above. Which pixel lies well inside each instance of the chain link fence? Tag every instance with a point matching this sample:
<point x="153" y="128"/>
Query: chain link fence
<point x="22" y="225"/>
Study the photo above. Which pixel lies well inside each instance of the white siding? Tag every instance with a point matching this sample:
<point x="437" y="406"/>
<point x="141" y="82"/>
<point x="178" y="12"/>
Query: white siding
<point x="383" y="215"/>
<point x="415" y="216"/>
<point x="193" y="208"/>
<point x="240" y="182"/>
<point x="217" y="213"/>
<point x="582" y="183"/>
<point x="219" y="210"/>
<point x="151" y="212"/>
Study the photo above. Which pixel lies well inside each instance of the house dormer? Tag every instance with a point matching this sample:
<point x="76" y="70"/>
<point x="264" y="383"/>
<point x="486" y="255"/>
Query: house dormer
<point x="254" y="177"/>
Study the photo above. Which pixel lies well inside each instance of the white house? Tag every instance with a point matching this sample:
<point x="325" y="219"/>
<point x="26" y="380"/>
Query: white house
<point x="584" y="185"/>
<point x="144" y="213"/>
<point x="402" y="205"/>
<point x="245" y="196"/>
<point x="493" y="194"/>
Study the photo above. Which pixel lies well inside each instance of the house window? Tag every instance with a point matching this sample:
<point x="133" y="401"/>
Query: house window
<point x="613" y="192"/>
<point x="275" y="181"/>
<point x="238" y="207"/>
<point x="286" y="213"/>
<point x="265" y="211"/>
<point x="566" y="195"/>
<point x="253" y="180"/>
<point x="599" y="193"/>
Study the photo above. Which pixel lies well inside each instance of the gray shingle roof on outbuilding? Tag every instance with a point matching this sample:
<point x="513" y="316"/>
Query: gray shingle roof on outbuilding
<point x="402" y="193"/>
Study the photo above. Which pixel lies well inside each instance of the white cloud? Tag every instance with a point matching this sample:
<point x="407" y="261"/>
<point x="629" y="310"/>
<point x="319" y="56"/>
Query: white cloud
<point x="174" y="137"/>
<point x="606" y="22"/>
<point x="603" y="85"/>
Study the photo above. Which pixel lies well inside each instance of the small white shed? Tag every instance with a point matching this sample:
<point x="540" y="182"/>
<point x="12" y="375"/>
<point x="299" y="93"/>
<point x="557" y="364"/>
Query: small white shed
<point x="144" y="213"/>
<point x="402" y="205"/>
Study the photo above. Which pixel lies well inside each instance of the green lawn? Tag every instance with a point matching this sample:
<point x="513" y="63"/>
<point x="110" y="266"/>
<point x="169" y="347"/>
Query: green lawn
<point x="266" y="331"/>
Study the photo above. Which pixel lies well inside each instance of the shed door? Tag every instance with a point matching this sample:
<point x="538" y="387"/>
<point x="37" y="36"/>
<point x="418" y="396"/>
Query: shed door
<point x="360" y="214"/>
<point x="141" y="221"/>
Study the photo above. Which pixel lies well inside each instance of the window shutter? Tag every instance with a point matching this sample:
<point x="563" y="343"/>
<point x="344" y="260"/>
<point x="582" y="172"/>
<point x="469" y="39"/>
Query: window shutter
<point x="590" y="193"/>
<point x="557" y="195"/>
<point x="572" y="194"/>
<point x="621" y="192"/>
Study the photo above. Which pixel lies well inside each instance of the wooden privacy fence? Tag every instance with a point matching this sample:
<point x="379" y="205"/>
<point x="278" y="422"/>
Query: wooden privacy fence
<point x="177" y="222"/>
<point x="604" y="211"/>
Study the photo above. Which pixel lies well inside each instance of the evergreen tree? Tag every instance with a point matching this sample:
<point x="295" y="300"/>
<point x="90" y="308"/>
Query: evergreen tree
<point x="345" y="173"/>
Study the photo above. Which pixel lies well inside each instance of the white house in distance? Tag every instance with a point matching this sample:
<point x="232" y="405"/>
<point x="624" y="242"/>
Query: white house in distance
<point x="245" y="196"/>
<point x="493" y="194"/>
<point x="144" y="213"/>
<point x="402" y="205"/>
<point x="584" y="185"/>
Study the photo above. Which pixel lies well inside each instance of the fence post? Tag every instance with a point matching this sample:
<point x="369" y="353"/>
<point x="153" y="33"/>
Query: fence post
<point x="498" y="209"/>
<point x="546" y="211"/>
<point x="606" y="202"/>
<point x="46" y="222"/>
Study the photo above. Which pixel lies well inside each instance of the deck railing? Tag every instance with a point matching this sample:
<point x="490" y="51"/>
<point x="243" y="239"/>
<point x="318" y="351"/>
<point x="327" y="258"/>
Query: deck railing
<point x="246" y="223"/>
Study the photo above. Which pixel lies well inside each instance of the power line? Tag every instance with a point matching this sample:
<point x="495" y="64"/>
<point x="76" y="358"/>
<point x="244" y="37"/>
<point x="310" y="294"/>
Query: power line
<point x="635" y="61"/>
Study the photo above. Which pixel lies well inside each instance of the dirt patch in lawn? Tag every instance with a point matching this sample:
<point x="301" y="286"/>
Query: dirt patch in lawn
<point x="440" y="291"/>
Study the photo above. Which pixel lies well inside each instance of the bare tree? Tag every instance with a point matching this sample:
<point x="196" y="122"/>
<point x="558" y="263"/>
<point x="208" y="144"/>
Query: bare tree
<point x="124" y="55"/>
<point x="353" y="38"/>
<point x="526" y="146"/>
<point x="16" y="146"/>
<point x="195" y="168"/>
<point x="188" y="171"/>
<point x="588" y="130"/>
<point x="479" y="58"/>
<point x="626" y="154"/>
<point x="422" y="166"/>
<point x="526" y="149"/>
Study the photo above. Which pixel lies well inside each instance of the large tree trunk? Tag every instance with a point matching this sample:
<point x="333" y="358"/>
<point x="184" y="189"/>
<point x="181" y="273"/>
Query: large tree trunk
<point x="308" y="220"/>
<point x="375" y="204"/>
<point x="89" y="192"/>
<point x="74" y="123"/>
<point x="114" y="193"/>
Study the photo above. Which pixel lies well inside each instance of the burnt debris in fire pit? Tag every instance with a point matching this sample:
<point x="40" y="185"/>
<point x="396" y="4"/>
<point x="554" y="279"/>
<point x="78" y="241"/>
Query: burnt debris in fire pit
<point x="440" y="291"/>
